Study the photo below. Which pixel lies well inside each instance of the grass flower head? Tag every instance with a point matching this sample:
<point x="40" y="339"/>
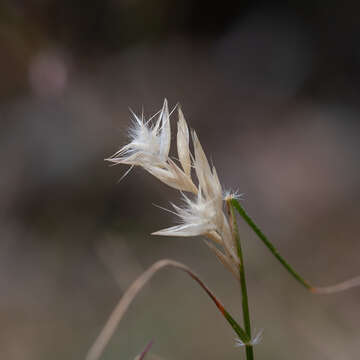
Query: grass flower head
<point x="202" y="212"/>
<point x="149" y="148"/>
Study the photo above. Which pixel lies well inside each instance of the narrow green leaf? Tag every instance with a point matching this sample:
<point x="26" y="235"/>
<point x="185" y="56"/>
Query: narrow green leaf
<point x="338" y="287"/>
<point x="237" y="328"/>
<point x="268" y="244"/>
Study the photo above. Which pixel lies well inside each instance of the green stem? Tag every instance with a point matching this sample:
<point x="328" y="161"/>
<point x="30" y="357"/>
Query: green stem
<point x="235" y="203"/>
<point x="244" y="294"/>
<point x="249" y="352"/>
<point x="243" y="336"/>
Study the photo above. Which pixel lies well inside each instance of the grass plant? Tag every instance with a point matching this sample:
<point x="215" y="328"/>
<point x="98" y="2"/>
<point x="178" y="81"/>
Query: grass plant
<point x="205" y="211"/>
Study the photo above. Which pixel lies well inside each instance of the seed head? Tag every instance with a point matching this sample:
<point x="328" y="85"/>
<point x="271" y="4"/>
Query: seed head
<point x="150" y="143"/>
<point x="149" y="148"/>
<point x="202" y="211"/>
<point x="198" y="217"/>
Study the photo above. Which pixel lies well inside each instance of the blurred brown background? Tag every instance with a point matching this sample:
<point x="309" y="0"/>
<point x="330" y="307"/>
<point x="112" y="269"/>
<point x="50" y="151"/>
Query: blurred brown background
<point x="273" y="90"/>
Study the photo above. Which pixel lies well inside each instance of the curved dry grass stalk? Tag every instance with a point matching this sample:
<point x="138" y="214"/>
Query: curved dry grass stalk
<point x="107" y="332"/>
<point x="344" y="285"/>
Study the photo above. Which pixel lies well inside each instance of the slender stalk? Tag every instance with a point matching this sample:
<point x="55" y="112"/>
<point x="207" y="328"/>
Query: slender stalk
<point x="338" y="287"/>
<point x="244" y="295"/>
<point x="268" y="244"/>
<point x="145" y="351"/>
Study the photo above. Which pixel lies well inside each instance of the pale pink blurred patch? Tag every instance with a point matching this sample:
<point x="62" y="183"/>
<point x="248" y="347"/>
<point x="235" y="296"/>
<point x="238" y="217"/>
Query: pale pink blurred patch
<point x="48" y="74"/>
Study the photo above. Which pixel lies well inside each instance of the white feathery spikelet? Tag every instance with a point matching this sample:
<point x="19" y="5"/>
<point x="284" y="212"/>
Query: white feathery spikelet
<point x="202" y="213"/>
<point x="149" y="148"/>
<point x="150" y="143"/>
<point x="197" y="216"/>
<point x="209" y="181"/>
<point x="183" y="143"/>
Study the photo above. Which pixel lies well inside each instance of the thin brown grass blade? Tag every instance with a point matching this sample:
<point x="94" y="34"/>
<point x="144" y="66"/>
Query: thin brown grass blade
<point x="144" y="352"/>
<point x="107" y="332"/>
